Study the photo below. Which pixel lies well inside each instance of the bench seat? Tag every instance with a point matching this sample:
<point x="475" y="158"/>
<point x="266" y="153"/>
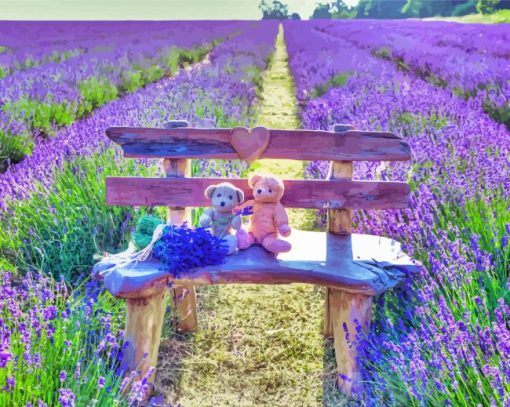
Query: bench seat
<point x="357" y="263"/>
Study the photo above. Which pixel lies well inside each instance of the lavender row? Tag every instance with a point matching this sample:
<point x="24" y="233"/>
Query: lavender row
<point x="36" y="101"/>
<point x="222" y="88"/>
<point x="419" y="45"/>
<point x="483" y="39"/>
<point x="446" y="338"/>
<point x="24" y="45"/>
<point x="57" y="82"/>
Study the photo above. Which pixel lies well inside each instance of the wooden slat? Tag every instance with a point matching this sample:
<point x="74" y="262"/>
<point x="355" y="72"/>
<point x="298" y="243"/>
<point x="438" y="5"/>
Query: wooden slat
<point x="298" y="193"/>
<point x="352" y="145"/>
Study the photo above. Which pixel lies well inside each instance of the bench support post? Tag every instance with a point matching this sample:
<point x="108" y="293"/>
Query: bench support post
<point x="144" y="322"/>
<point x="344" y="311"/>
<point x="350" y="313"/>
<point x="339" y="220"/>
<point x="184" y="297"/>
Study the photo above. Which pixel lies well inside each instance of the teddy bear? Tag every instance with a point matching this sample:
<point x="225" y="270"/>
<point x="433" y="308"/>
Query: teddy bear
<point x="224" y="198"/>
<point x="269" y="219"/>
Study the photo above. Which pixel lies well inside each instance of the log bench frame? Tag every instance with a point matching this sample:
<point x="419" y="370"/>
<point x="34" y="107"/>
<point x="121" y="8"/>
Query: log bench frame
<point x="177" y="143"/>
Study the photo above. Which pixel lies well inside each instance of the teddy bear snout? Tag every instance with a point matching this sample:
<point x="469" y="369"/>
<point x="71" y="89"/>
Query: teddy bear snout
<point x="222" y="203"/>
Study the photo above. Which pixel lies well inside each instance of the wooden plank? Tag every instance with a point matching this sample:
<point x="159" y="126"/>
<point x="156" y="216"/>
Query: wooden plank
<point x="144" y="323"/>
<point x="184" y="297"/>
<point x="352" y="145"/>
<point x="298" y="193"/>
<point x="356" y="263"/>
<point x="339" y="220"/>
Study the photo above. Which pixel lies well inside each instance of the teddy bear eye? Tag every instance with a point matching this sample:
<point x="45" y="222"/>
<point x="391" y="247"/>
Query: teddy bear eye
<point x="230" y="197"/>
<point x="218" y="196"/>
<point x="270" y="191"/>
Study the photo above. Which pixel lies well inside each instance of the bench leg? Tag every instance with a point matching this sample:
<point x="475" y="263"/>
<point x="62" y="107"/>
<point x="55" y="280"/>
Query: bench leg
<point x="144" y="323"/>
<point x="344" y="308"/>
<point x="185" y="302"/>
<point x="328" y="322"/>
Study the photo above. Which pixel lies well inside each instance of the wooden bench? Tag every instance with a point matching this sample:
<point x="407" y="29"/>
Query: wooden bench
<point x="353" y="268"/>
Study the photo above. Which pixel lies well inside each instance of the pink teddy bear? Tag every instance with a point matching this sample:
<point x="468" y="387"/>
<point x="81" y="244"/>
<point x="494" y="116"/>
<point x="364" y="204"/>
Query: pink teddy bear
<point x="269" y="219"/>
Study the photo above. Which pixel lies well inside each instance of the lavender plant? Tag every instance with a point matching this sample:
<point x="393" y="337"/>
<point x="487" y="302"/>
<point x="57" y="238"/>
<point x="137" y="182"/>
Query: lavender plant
<point x="64" y="344"/>
<point x="442" y="340"/>
<point x="36" y="101"/>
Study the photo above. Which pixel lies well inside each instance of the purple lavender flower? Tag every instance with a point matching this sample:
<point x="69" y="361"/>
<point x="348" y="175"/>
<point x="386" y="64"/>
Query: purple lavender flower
<point x="66" y="398"/>
<point x="10" y="383"/>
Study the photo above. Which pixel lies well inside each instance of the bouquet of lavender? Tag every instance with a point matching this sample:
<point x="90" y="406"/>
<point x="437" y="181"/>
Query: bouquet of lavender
<point x="179" y="248"/>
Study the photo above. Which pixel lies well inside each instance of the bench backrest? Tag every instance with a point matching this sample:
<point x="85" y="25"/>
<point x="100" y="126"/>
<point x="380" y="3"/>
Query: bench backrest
<point x="178" y="143"/>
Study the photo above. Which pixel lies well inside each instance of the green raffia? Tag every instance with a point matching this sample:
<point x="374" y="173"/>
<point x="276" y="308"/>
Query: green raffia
<point x="144" y="230"/>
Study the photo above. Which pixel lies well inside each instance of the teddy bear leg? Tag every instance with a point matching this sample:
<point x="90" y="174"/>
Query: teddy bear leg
<point x="274" y="245"/>
<point x="244" y="239"/>
<point x="232" y="243"/>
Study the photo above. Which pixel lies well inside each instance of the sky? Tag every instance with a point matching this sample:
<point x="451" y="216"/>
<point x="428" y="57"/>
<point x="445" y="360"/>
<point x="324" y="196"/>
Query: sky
<point x="144" y="9"/>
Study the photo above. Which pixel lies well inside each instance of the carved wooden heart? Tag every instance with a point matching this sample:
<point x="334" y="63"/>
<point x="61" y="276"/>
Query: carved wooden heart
<point x="249" y="144"/>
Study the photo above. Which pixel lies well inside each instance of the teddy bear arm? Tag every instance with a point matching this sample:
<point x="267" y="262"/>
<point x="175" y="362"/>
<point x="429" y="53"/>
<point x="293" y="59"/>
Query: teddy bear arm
<point x="207" y="217"/>
<point x="280" y="216"/>
<point x="236" y="222"/>
<point x="282" y="220"/>
<point x="245" y="204"/>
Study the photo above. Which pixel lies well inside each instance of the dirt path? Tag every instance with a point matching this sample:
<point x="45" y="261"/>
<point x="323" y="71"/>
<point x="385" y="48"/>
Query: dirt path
<point x="257" y="345"/>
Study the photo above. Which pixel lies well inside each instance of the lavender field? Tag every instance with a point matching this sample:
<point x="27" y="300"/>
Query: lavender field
<point x="441" y="340"/>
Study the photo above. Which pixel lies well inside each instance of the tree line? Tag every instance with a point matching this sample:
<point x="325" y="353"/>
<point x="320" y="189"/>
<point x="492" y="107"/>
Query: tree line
<point x="277" y="9"/>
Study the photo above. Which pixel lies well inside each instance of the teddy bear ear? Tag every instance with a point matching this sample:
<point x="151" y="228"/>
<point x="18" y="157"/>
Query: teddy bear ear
<point x="240" y="195"/>
<point x="209" y="191"/>
<point x="254" y="179"/>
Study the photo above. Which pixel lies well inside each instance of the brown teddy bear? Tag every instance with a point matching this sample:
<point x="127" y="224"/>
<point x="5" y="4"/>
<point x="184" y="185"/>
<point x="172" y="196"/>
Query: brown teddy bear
<point x="224" y="197"/>
<point x="269" y="219"/>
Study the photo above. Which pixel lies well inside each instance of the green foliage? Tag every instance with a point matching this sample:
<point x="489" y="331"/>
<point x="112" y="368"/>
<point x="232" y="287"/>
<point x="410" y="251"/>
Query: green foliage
<point x="499" y="17"/>
<point x="3" y="72"/>
<point x="321" y="11"/>
<point x="153" y="73"/>
<point x="41" y="117"/>
<point x="72" y="340"/>
<point x="171" y="59"/>
<point x="336" y="81"/>
<point x="131" y="81"/>
<point x="193" y="55"/>
<point x="380" y="9"/>
<point x="59" y="230"/>
<point x="336" y="9"/>
<point x="499" y="113"/>
<point x="412" y="8"/>
<point x="464" y="8"/>
<point x="486" y="218"/>
<point x="7" y="266"/>
<point x="96" y="92"/>
<point x="276" y="10"/>
<point x="420" y="122"/>
<point x="486" y="6"/>
<point x="13" y="148"/>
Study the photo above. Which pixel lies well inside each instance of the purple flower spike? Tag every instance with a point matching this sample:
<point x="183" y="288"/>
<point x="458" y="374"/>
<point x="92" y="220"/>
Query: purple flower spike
<point x="67" y="398"/>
